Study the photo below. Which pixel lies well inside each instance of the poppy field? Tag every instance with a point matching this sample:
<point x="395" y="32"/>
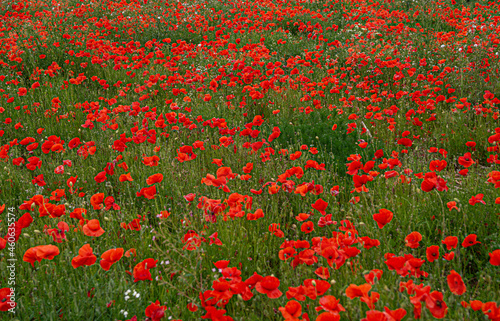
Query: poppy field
<point x="249" y="160"/>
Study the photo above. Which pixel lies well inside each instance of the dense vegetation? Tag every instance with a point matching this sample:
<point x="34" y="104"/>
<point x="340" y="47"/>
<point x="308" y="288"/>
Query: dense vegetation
<point x="257" y="160"/>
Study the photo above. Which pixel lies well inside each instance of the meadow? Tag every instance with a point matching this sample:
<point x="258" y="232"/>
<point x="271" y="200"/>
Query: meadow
<point x="249" y="160"/>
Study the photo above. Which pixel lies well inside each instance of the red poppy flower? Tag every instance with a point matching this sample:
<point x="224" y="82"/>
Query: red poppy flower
<point x="151" y="161"/>
<point x="330" y="254"/>
<point x="466" y="160"/>
<point x="470" y="240"/>
<point x="437" y="165"/>
<point x="477" y="199"/>
<point x="189" y="197"/>
<point x="147" y="192"/>
<point x="155" y="311"/>
<point x="373" y="275"/>
<point x="134" y="225"/>
<point x="38" y="253"/>
<point x="315" y="288"/>
<point x="432" y="253"/>
<point x="5" y="300"/>
<point x="93" y="228"/>
<point x="437" y="307"/>
<point x="394" y="315"/>
<point x="131" y="252"/>
<point x="141" y="270"/>
<point x="432" y="181"/>
<point x="192" y="307"/>
<point x="125" y="178"/>
<point x="449" y="256"/>
<point x="383" y="217"/>
<point x="412" y="240"/>
<point x="153" y="179"/>
<point x="269" y="286"/>
<point x="330" y="304"/>
<point x="455" y="283"/>
<point x="100" y="177"/>
<point x="495" y="258"/>
<point x="110" y="257"/>
<point x="320" y="206"/>
<point x="327" y="316"/>
<point x="78" y="213"/>
<point x="452" y="205"/>
<point x="307" y="227"/>
<point x="322" y="272"/>
<point x="59" y="233"/>
<point x="85" y="257"/>
<point x="96" y="201"/>
<point x="355" y="291"/>
<point x="476" y="305"/>
<point x="291" y="311"/>
<point x="451" y="242"/>
<point x="374" y="315"/>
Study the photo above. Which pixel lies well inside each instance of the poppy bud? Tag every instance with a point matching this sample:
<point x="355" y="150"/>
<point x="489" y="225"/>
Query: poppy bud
<point x="240" y="297"/>
<point x="313" y="283"/>
<point x="26" y="235"/>
<point x="332" y="282"/>
<point x="33" y="206"/>
<point x="37" y="232"/>
<point x="106" y="218"/>
<point x="294" y="226"/>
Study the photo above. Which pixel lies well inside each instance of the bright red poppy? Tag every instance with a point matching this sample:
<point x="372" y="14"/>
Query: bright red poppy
<point x="269" y="286"/>
<point x="383" y="217"/>
<point x="432" y="253"/>
<point x="110" y="257"/>
<point x="470" y="240"/>
<point x="93" y="228"/>
<point x="38" y="253"/>
<point x="155" y="311"/>
<point x="291" y="311"/>
<point x="85" y="257"/>
<point x="455" y="283"/>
